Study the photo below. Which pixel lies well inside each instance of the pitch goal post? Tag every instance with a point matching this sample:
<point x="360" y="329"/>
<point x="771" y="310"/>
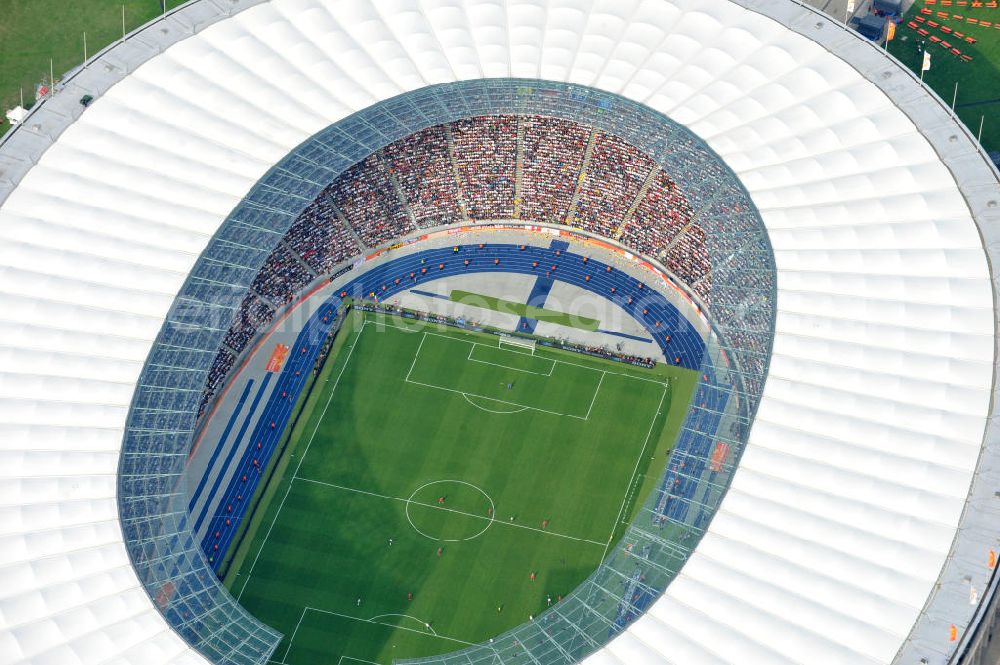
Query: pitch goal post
<point x="517" y="343"/>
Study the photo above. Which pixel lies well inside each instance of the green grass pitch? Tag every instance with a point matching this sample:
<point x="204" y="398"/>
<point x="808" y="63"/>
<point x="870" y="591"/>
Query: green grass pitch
<point x="35" y="32"/>
<point x="537" y="480"/>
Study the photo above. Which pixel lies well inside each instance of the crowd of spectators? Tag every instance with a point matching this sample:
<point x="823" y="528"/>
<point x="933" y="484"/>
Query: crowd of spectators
<point x="421" y="164"/>
<point x="610" y="184"/>
<point x="280" y="277"/>
<point x="742" y="306"/>
<point x="252" y="315"/>
<point x="659" y="217"/>
<point x="553" y="156"/>
<point x="704" y="175"/>
<point x="688" y="259"/>
<point x="320" y="238"/>
<point x="486" y="156"/>
<point x="413" y="181"/>
<point x="220" y="368"/>
<point x="605" y="352"/>
<point x="369" y="202"/>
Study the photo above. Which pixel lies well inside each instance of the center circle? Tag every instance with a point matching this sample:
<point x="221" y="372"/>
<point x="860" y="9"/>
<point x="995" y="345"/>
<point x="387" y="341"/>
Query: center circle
<point x="450" y="511"/>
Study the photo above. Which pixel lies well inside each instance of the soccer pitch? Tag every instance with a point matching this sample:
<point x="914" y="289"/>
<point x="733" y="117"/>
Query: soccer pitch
<point x="438" y="490"/>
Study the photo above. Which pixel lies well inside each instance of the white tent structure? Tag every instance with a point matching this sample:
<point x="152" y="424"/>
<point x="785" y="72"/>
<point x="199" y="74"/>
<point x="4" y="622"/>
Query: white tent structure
<point x="863" y="513"/>
<point x="16" y="115"/>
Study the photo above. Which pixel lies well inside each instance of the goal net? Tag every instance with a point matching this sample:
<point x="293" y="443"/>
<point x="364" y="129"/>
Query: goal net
<point x="517" y="342"/>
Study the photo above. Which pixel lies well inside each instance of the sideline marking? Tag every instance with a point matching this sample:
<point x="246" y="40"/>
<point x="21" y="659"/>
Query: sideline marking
<point x="347" y="361"/>
<point x="430" y="632"/>
<point x="628" y="488"/>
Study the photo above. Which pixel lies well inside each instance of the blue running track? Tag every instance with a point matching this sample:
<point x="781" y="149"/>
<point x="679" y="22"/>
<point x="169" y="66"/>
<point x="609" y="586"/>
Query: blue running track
<point x="222" y="442"/>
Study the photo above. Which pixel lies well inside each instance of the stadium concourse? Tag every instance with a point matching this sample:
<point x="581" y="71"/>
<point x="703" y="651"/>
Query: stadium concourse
<point x="820" y="228"/>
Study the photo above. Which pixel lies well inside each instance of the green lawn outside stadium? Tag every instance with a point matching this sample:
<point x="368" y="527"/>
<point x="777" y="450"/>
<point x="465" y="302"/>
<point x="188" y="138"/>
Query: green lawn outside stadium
<point x="401" y="418"/>
<point x="34" y="31"/>
<point x="978" y="81"/>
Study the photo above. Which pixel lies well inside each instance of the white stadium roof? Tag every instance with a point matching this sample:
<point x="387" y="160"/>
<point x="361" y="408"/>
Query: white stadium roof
<point x="875" y="437"/>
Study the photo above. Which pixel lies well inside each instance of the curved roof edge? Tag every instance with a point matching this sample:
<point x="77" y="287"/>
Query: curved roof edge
<point x="966" y="570"/>
<point x="966" y="582"/>
<point x="23" y="145"/>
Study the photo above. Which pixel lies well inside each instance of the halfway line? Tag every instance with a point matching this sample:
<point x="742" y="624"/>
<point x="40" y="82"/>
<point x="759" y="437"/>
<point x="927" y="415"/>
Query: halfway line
<point x="450" y="510"/>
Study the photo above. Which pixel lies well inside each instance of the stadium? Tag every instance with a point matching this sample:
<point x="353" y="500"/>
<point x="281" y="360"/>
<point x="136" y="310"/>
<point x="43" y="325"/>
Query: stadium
<point x="495" y="332"/>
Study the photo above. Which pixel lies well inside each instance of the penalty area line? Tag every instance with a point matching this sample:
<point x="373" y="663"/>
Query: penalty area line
<point x="493" y="399"/>
<point x="428" y="633"/>
<point x="483" y="408"/>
